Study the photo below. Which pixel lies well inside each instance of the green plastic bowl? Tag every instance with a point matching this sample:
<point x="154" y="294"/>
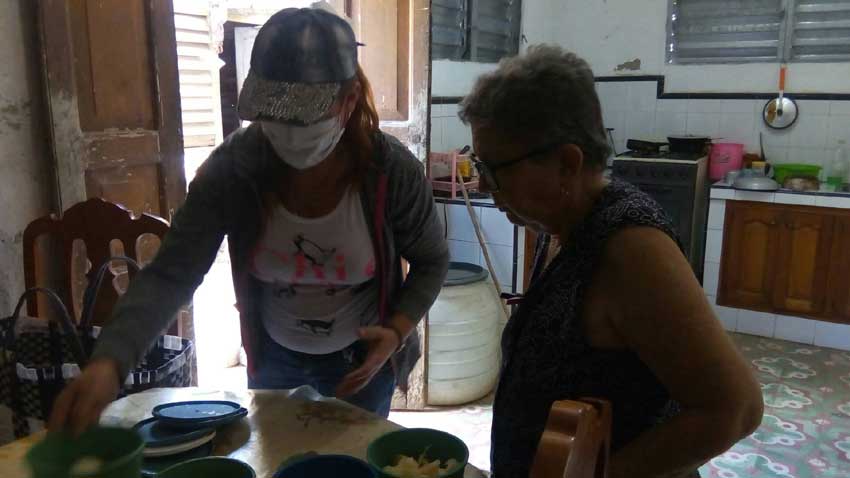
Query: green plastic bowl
<point x="412" y="442"/>
<point x="210" y="467"/>
<point x="119" y="450"/>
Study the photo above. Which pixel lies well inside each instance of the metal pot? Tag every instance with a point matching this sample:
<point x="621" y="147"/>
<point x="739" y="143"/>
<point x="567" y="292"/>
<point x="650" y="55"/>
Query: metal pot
<point x="757" y="182"/>
<point x="688" y="144"/>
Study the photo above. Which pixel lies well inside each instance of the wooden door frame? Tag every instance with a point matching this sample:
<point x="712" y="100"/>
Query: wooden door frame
<point x="70" y="151"/>
<point x="417" y="133"/>
<point x="61" y="91"/>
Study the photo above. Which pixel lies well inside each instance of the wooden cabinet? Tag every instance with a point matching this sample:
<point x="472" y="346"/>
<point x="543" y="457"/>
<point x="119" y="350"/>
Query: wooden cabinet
<point x="790" y="260"/>
<point x="804" y="254"/>
<point x="838" y="305"/>
<point x="751" y="245"/>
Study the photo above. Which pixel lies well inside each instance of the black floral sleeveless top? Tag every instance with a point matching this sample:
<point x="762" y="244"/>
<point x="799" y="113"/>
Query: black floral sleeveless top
<point x="546" y="357"/>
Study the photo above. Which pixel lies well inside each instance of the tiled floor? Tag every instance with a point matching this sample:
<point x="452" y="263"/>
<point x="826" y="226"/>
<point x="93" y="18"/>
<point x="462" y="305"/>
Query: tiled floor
<point x="806" y="427"/>
<point x="805" y="432"/>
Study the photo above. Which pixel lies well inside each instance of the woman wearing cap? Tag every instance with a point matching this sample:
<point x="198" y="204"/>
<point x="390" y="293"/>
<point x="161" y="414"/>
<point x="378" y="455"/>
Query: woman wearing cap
<point x="319" y="207"/>
<point x="618" y="313"/>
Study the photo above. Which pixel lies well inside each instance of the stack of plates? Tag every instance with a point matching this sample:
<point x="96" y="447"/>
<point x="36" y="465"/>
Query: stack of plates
<point x="198" y="414"/>
<point x="182" y="431"/>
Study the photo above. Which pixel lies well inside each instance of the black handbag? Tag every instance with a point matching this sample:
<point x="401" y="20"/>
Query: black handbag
<point x="39" y="357"/>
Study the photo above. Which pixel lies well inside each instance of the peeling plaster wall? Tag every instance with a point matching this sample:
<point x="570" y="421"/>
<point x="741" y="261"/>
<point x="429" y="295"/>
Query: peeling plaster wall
<point x="24" y="144"/>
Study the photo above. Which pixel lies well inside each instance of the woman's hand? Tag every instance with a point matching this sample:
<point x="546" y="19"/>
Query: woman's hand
<point x="79" y="406"/>
<point x="383" y="343"/>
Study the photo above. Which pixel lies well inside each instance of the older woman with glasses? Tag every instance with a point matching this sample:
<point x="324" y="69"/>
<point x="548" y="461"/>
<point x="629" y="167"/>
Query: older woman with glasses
<point x="618" y="313"/>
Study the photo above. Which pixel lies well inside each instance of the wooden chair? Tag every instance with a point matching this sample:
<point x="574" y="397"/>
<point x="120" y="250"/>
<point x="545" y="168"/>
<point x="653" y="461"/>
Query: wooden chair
<point x="64" y="253"/>
<point x="575" y="442"/>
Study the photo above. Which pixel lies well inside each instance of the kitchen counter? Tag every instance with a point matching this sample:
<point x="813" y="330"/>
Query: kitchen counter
<point x="770" y="323"/>
<point x="725" y="185"/>
<point x="724" y="191"/>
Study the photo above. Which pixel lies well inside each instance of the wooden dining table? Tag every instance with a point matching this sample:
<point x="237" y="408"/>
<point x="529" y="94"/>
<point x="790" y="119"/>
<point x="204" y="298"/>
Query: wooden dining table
<point x="279" y="425"/>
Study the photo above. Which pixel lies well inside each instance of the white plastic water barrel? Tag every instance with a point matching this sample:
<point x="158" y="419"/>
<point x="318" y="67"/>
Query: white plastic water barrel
<point x="464" y="327"/>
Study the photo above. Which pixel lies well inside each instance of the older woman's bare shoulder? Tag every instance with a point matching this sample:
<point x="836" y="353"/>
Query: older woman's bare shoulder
<point x="639" y="247"/>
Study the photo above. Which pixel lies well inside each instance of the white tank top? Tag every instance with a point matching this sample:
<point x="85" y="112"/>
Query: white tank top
<point x="318" y="277"/>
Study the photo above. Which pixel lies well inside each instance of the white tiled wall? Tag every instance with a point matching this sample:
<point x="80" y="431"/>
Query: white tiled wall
<point x="794" y="329"/>
<point x="756" y="323"/>
<point x="502" y="258"/>
<point x="832" y="335"/>
<point x="498" y="235"/>
<point x="447" y="130"/>
<point x="631" y="108"/>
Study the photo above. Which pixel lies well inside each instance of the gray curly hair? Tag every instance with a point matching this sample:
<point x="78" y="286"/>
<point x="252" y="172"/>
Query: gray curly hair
<point x="545" y="93"/>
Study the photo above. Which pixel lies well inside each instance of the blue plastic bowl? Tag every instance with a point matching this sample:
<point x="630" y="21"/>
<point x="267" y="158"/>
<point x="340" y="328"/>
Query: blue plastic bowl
<point x="326" y="465"/>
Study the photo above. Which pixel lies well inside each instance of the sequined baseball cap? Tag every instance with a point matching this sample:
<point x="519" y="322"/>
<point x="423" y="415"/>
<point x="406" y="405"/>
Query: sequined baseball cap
<point x="300" y="59"/>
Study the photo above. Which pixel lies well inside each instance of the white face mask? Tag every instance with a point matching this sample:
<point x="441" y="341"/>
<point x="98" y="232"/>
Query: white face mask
<point x="303" y="147"/>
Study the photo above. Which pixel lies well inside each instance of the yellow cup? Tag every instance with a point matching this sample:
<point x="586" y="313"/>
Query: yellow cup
<point x="464" y="167"/>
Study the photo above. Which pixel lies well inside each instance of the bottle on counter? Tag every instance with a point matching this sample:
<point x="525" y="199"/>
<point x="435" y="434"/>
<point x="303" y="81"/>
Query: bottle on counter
<point x="838" y="169"/>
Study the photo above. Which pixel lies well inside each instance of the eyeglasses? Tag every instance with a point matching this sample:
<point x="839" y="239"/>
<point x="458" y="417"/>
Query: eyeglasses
<point x="488" y="171"/>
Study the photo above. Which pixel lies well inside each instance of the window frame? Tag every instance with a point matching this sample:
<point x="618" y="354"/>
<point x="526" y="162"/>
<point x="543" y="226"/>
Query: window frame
<point x="785" y="46"/>
<point x="471" y="33"/>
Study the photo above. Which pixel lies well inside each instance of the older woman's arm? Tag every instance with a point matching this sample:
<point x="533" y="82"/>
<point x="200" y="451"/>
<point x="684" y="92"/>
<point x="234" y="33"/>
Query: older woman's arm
<point x="662" y="314"/>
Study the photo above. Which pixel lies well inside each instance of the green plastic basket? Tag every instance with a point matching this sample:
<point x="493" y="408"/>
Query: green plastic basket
<point x="786" y="170"/>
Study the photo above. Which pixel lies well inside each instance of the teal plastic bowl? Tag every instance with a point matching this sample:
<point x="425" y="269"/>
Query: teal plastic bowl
<point x="119" y="450"/>
<point x="210" y="467"/>
<point x="411" y="442"/>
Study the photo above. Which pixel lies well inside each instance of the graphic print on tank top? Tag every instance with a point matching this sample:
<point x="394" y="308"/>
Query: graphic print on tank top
<point x="318" y="277"/>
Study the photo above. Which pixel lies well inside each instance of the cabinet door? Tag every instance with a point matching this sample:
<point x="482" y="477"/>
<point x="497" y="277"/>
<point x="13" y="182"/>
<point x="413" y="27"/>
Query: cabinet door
<point x="804" y="252"/>
<point x="750" y="248"/>
<point x="839" y="275"/>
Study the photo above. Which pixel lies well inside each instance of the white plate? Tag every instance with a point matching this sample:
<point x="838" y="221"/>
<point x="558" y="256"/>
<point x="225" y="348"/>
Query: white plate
<point x="176" y="449"/>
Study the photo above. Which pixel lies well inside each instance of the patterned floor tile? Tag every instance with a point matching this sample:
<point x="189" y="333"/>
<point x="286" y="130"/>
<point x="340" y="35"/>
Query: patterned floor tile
<point x="805" y="432"/>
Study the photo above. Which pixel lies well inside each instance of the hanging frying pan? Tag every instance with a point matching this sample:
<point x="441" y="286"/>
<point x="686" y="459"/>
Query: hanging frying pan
<point x="781" y="112"/>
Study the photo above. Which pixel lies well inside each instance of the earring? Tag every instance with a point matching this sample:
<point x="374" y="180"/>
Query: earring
<point x="564" y="192"/>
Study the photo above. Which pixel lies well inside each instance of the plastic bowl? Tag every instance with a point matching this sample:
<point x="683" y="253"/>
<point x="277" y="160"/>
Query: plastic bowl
<point x="118" y="449"/>
<point x="214" y="466"/>
<point x="326" y="465"/>
<point x="785" y="170"/>
<point x="412" y="442"/>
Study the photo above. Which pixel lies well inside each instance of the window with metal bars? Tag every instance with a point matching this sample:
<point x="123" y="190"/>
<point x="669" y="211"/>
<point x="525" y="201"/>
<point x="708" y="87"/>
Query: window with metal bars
<point x="476" y="30"/>
<point x="742" y="31"/>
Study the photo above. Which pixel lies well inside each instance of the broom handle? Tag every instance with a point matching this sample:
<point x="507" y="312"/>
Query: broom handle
<point x="477" y="228"/>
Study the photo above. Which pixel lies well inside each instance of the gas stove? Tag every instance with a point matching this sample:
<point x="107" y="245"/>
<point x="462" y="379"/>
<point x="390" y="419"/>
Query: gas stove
<point x="652" y="151"/>
<point x="678" y="182"/>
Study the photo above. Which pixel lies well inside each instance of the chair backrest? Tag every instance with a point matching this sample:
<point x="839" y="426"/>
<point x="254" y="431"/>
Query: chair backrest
<point x="103" y="228"/>
<point x="575" y="442"/>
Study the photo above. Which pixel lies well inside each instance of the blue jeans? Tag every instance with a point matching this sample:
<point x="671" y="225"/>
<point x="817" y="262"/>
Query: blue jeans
<point x="281" y="368"/>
